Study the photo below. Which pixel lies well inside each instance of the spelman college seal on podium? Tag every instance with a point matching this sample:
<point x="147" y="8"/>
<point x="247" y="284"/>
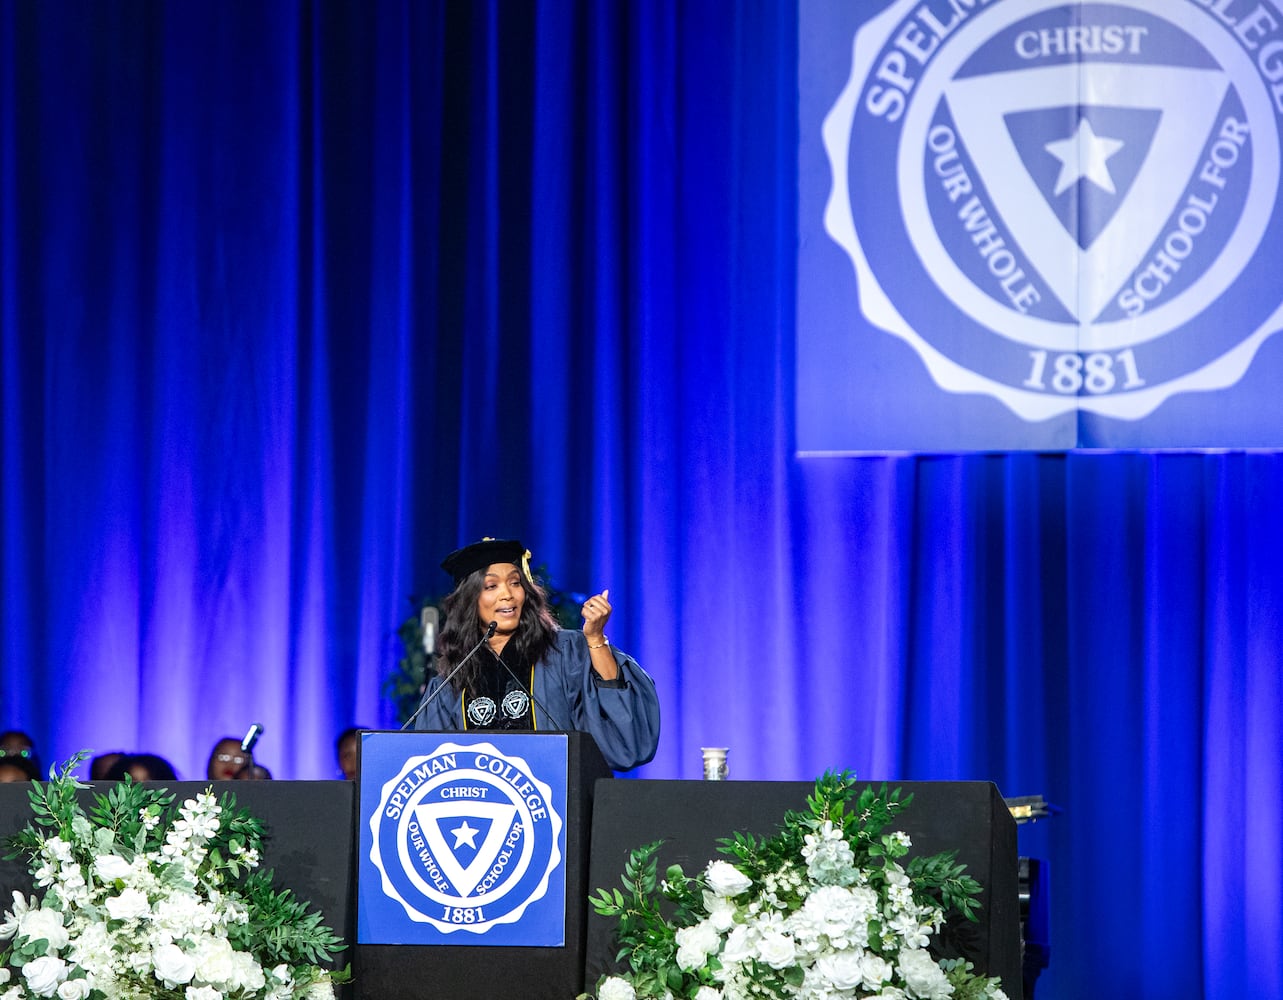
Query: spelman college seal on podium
<point x="1065" y="206"/>
<point x="462" y="839"/>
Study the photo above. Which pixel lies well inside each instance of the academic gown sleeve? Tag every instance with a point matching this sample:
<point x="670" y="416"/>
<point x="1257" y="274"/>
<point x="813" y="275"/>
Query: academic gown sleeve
<point x="623" y="721"/>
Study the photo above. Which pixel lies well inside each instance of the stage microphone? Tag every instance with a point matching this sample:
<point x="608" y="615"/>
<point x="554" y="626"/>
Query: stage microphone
<point x="247" y="747"/>
<point x="255" y="731"/>
<point x="490" y="631"/>
<point x="530" y="692"/>
<point x="429" y="619"/>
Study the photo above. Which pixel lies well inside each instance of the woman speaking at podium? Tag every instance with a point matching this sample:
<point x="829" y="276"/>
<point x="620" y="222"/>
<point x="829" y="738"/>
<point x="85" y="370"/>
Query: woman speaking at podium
<point x="503" y="662"/>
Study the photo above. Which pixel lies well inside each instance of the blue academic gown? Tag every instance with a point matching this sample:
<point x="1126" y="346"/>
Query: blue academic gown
<point x="624" y="721"/>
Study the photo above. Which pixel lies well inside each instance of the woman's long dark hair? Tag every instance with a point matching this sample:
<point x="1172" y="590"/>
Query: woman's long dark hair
<point x="462" y="629"/>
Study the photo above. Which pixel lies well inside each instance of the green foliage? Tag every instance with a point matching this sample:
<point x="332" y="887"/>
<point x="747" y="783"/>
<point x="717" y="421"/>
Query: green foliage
<point x="966" y="984"/>
<point x="404" y="687"/>
<point x="877" y="810"/>
<point x="861" y="824"/>
<point x="128" y="820"/>
<point x="239" y="832"/>
<point x="943" y="878"/>
<point x="566" y="606"/>
<point x="119" y="813"/>
<point x="54" y="806"/>
<point x="649" y="911"/>
<point x="281" y="928"/>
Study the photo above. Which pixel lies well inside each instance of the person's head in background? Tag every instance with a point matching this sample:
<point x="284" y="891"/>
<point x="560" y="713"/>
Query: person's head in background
<point x="226" y="760"/>
<point x="100" y="765"/>
<point x="345" y="747"/>
<point x="142" y="767"/>
<point x="18" y="769"/>
<point x="15" y="744"/>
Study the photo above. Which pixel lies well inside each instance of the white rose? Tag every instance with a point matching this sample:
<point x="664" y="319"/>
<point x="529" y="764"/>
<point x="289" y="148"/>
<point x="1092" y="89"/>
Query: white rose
<point x="726" y="880"/>
<point x="111" y="867"/>
<point x="182" y="912"/>
<point x="202" y="993"/>
<point x="47" y="924"/>
<point x="129" y="905"/>
<point x="214" y="963"/>
<point x="322" y="989"/>
<point x="247" y="974"/>
<point x="173" y="965"/>
<point x="841" y="969"/>
<point x="689" y="958"/>
<point x="43" y="975"/>
<point x="11" y="918"/>
<point x="708" y="993"/>
<point x="739" y="946"/>
<point x="138" y="961"/>
<point x="74" y="989"/>
<point x="922" y="976"/>
<point x="777" y="950"/>
<point x="702" y="938"/>
<point x="721" y="912"/>
<point x="875" y="970"/>
<point x="615" y="988"/>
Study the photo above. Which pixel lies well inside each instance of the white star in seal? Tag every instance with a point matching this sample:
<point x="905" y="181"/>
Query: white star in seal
<point x="1083" y="155"/>
<point x="465" y="834"/>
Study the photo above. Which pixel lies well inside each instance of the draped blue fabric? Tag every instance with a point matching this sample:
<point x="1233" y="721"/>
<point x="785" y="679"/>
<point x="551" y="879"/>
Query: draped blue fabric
<point x="294" y="298"/>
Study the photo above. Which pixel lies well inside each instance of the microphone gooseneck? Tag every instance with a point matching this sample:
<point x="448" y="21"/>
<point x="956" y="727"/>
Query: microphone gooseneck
<point x="490" y="631"/>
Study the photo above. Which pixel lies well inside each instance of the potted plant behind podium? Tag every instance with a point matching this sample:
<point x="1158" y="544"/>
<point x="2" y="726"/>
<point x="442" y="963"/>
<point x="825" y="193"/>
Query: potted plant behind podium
<point x="148" y="901"/>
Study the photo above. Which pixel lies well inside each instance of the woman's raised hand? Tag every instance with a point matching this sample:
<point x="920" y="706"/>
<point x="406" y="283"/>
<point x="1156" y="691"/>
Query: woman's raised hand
<point x="596" y="612"/>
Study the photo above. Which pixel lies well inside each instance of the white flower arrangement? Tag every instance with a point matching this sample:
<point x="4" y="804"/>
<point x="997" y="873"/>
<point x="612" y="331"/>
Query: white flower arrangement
<point x="824" y="910"/>
<point x="148" y="902"/>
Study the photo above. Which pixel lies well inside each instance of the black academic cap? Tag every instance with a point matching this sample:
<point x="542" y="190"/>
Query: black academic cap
<point x="463" y="562"/>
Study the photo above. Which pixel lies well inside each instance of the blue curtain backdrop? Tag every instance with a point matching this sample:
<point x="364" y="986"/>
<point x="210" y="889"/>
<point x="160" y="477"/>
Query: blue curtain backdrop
<point x="296" y="297"/>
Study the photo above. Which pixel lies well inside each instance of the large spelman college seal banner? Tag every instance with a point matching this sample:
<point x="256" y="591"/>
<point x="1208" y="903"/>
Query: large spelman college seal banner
<point x="1032" y="224"/>
<point x="462" y="839"/>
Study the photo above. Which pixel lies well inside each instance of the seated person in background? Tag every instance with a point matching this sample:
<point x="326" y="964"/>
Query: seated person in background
<point x="15" y="743"/>
<point x="100" y="765"/>
<point x="226" y="760"/>
<point x="142" y="767"/>
<point x="255" y="772"/>
<point x="528" y="672"/>
<point x="345" y="747"/>
<point x="18" y="769"/>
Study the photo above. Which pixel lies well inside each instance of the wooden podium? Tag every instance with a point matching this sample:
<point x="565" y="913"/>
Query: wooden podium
<point x="691" y="816"/>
